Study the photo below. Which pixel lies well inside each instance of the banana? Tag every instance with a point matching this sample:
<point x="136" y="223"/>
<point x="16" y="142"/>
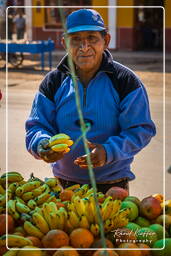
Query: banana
<point x="2" y="190"/>
<point x="40" y="222"/>
<point x="59" y="147"/>
<point x="18" y="199"/>
<point x="11" y="253"/>
<point x="53" y="207"/>
<point x="46" y="212"/>
<point x="9" y="194"/>
<point x="74" y="219"/>
<point x="116" y="207"/>
<point x="68" y="227"/>
<point x="60" y="220"/>
<point x="66" y="150"/>
<point x="79" y="206"/>
<point x="31" y="185"/>
<point x="11" y="177"/>
<point x="71" y="206"/>
<point x="38" y="210"/>
<point x="84" y="223"/>
<point x="51" y="182"/>
<point x="40" y="190"/>
<point x="88" y="210"/>
<point x="42" y="198"/>
<point x="31" y="204"/>
<point x="19" y="191"/>
<point x="108" y="225"/>
<point x="14" y="241"/>
<point x="13" y="186"/>
<point x="2" y="200"/>
<point x="58" y="139"/>
<point x="90" y="191"/>
<point x="57" y="188"/>
<point x="22" y="208"/>
<point x="11" y="207"/>
<point x="106" y="211"/>
<point x="52" y="199"/>
<point x="54" y="221"/>
<point x="73" y="187"/>
<point x="109" y="198"/>
<point x="69" y="142"/>
<point x="32" y="230"/>
<point x="27" y="196"/>
<point x="95" y="229"/>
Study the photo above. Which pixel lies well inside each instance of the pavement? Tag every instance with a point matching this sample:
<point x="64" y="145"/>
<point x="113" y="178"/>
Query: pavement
<point x="150" y="165"/>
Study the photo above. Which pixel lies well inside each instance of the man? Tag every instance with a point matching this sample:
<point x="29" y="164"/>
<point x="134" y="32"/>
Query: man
<point x="20" y="26"/>
<point x="113" y="101"/>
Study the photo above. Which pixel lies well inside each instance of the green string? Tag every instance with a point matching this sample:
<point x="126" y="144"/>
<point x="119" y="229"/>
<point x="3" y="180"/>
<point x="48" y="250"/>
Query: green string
<point x="84" y="131"/>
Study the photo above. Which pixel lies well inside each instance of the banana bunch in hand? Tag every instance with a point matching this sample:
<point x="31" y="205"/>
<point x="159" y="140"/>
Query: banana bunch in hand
<point x="60" y="143"/>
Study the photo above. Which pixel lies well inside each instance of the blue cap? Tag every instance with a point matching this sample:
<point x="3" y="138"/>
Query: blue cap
<point x="84" y="20"/>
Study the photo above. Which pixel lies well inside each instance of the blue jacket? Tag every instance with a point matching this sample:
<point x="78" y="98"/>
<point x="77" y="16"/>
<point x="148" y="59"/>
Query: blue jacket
<point x="116" y="106"/>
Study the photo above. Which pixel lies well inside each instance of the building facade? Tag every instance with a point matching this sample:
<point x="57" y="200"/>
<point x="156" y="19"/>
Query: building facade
<point x="136" y="26"/>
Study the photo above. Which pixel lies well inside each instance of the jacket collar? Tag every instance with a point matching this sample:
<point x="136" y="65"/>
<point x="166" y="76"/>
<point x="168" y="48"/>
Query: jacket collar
<point x="106" y="65"/>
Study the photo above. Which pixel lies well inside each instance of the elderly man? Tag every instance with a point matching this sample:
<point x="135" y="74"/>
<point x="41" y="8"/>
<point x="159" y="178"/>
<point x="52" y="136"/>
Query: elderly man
<point x="113" y="101"/>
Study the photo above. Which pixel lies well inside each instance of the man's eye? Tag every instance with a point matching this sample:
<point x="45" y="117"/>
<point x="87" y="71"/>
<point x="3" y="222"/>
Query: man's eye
<point x="92" y="39"/>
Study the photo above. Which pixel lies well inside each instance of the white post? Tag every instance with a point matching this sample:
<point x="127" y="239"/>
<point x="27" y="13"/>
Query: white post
<point x="112" y="23"/>
<point x="28" y="16"/>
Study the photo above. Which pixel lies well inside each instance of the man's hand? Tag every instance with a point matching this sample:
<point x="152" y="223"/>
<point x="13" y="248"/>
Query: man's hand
<point x="47" y="154"/>
<point x="97" y="155"/>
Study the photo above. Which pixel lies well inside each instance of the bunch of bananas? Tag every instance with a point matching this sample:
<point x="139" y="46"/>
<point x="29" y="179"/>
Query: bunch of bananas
<point x="60" y="143"/>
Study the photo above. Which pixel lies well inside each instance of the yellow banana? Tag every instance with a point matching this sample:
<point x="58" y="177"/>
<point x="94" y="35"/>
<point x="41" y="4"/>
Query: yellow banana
<point x="22" y="208"/>
<point x="57" y="188"/>
<point x="51" y="182"/>
<point x="38" y="191"/>
<point x="116" y="207"/>
<point x="32" y="230"/>
<point x="31" y="204"/>
<point x="31" y="185"/>
<point x="14" y="240"/>
<point x="68" y="227"/>
<point x="71" y="206"/>
<point x="88" y="210"/>
<point x="66" y="150"/>
<point x="74" y="219"/>
<point x="53" y="207"/>
<point x="69" y="142"/>
<point x="58" y="139"/>
<point x="42" y="198"/>
<point x="108" y="225"/>
<point x="46" y="212"/>
<point x="2" y="190"/>
<point x="79" y="206"/>
<point x="89" y="191"/>
<point x="95" y="229"/>
<point x="27" y="196"/>
<point x="106" y="211"/>
<point x="38" y="210"/>
<point x="40" y="222"/>
<point x="73" y="187"/>
<point x="84" y="223"/>
<point x="59" y="147"/>
<point x="54" y="221"/>
<point x="60" y="220"/>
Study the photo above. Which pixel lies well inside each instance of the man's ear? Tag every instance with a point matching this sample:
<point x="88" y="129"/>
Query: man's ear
<point x="107" y="38"/>
<point x="63" y="42"/>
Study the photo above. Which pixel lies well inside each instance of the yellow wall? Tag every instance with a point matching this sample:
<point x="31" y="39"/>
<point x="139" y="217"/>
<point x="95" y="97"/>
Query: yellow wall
<point x="38" y="16"/>
<point x="168" y="13"/>
<point x="125" y="16"/>
<point x="103" y="11"/>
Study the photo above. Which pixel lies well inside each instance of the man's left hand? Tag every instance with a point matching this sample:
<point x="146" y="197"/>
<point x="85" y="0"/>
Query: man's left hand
<point x="97" y="155"/>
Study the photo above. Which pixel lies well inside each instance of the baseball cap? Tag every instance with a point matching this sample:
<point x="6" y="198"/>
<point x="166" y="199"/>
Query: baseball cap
<point x="84" y="20"/>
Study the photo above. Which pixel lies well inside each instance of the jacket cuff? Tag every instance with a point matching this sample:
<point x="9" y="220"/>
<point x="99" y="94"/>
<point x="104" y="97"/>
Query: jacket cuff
<point x="109" y="155"/>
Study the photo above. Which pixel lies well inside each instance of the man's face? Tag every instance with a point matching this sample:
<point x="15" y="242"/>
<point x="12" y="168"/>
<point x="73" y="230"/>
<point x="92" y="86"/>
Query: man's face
<point x="86" y="49"/>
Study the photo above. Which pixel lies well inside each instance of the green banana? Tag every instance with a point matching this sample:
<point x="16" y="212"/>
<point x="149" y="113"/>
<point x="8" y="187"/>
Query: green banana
<point x="32" y="230"/>
<point x="58" y="139"/>
<point x="38" y="191"/>
<point x="2" y="190"/>
<point x="59" y="147"/>
<point x="51" y="182"/>
<point x="19" y="191"/>
<point x="14" y="240"/>
<point x="31" y="204"/>
<point x="11" y="207"/>
<point x="27" y="196"/>
<point x="2" y="200"/>
<point x="42" y="198"/>
<point x="13" y="186"/>
<point x="22" y="208"/>
<point x="31" y="185"/>
<point x="11" y="177"/>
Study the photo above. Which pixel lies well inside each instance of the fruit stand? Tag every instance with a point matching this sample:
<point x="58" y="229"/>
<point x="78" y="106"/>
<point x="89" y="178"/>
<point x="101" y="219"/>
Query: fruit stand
<point x="49" y="220"/>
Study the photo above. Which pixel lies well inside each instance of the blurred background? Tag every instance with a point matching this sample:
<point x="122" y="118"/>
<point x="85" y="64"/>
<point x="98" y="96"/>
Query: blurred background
<point x="139" y="39"/>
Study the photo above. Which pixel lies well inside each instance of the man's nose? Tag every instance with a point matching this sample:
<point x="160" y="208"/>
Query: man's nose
<point x="84" y="44"/>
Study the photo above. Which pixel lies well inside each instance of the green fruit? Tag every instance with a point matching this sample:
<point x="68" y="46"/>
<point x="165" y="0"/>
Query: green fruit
<point x="133" y="226"/>
<point x="147" y="236"/>
<point x="158" y="229"/>
<point x="142" y="222"/>
<point x="160" y="244"/>
<point x="133" y="209"/>
<point x="133" y="199"/>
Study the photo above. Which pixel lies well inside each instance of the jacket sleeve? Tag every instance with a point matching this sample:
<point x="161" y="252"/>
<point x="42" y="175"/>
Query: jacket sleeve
<point x="41" y="122"/>
<point x="136" y="127"/>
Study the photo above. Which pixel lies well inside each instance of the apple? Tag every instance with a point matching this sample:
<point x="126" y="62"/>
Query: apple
<point x="150" y="208"/>
<point x="159" y="229"/>
<point x="129" y="252"/>
<point x="142" y="222"/>
<point x="10" y="222"/>
<point x="160" y="220"/>
<point x="133" y="199"/>
<point x="160" y="244"/>
<point x="133" y="209"/>
<point x="147" y="236"/>
<point x="147" y="251"/>
<point x="117" y="193"/>
<point x="133" y="226"/>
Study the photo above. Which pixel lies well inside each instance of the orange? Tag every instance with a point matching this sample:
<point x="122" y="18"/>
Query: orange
<point x="81" y="238"/>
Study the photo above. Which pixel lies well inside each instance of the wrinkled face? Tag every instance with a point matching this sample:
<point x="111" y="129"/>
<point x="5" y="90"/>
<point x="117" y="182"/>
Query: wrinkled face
<point x="86" y="49"/>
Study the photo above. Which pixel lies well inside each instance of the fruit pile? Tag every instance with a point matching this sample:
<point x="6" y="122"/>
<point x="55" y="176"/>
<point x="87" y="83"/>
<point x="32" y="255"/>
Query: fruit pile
<point x="41" y="214"/>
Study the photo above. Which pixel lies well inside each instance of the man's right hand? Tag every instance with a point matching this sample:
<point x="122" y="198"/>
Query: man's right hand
<point x="47" y="154"/>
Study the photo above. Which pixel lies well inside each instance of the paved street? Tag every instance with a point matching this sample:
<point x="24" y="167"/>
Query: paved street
<point x="149" y="164"/>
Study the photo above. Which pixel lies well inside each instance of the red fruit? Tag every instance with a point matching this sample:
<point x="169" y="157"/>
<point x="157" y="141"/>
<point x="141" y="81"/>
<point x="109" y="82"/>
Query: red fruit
<point x="150" y="208"/>
<point x="3" y="223"/>
<point x="117" y="193"/>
